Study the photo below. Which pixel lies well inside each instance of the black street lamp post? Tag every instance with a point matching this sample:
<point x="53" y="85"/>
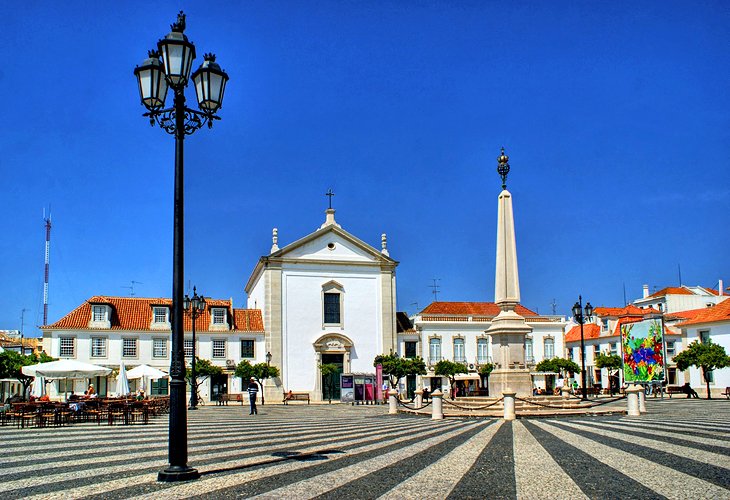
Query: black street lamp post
<point x="154" y="77"/>
<point x="581" y="315"/>
<point x="196" y="306"/>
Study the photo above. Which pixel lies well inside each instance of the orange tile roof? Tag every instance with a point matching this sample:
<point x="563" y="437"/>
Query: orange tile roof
<point x="720" y="312"/>
<point x="135" y="314"/>
<point x="629" y="310"/>
<point x="471" y="309"/>
<point x="590" y="331"/>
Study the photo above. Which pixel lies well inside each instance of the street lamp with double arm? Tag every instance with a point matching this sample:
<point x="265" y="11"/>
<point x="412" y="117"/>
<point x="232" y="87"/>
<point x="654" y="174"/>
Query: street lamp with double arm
<point x="195" y="306"/>
<point x="169" y="67"/>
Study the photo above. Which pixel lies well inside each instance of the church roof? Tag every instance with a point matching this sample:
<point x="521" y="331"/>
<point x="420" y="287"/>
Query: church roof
<point x="471" y="309"/>
<point x="135" y="314"/>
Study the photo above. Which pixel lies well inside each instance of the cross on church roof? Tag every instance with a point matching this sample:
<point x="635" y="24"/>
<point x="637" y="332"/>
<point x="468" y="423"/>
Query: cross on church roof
<point x="330" y="194"/>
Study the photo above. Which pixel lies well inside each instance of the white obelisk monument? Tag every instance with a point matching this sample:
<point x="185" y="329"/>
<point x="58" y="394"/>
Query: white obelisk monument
<point x="508" y="329"/>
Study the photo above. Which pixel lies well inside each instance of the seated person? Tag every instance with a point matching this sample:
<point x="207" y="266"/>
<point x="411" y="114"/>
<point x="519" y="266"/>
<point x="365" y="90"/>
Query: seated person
<point x="691" y="393"/>
<point x="425" y="394"/>
<point x="140" y="395"/>
<point x="44" y="398"/>
<point x="90" y="392"/>
<point x="288" y="396"/>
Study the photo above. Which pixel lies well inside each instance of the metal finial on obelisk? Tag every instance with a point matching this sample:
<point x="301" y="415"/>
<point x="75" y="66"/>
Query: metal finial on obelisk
<point x="503" y="168"/>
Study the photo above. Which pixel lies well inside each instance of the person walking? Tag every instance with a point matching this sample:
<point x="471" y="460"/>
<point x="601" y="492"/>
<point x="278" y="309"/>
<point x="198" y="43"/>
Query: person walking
<point x="253" y="390"/>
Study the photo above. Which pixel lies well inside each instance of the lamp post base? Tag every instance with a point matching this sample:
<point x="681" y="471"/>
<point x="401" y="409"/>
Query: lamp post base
<point x="177" y="473"/>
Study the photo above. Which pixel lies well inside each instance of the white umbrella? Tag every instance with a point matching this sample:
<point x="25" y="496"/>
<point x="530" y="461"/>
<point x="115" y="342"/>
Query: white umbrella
<point x="39" y="387"/>
<point x="65" y="368"/>
<point x="144" y="372"/>
<point x="122" y="382"/>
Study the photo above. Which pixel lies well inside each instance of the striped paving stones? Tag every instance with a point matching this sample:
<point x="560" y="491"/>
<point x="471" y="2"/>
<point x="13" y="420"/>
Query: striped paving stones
<point x="680" y="449"/>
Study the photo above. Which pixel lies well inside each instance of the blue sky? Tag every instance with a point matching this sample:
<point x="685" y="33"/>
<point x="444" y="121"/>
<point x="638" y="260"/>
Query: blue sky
<point x="616" y="117"/>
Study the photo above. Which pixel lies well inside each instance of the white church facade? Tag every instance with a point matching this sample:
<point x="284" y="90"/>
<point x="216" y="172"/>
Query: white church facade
<point x="327" y="298"/>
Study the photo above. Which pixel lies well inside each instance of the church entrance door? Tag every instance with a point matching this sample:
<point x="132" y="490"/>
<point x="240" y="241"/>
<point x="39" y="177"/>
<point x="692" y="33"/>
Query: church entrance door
<point x="331" y="388"/>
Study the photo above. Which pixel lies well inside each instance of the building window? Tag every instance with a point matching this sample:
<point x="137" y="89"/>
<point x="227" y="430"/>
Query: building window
<point x="434" y="351"/>
<point x="596" y="350"/>
<point x="188" y="347"/>
<point x="159" y="348"/>
<point x="99" y="313"/>
<point x="219" y="316"/>
<point x="129" y="348"/>
<point x="671" y="350"/>
<point x="68" y="347"/>
<point x="332" y="308"/>
<point x="549" y="345"/>
<point x="411" y="349"/>
<point x="605" y="325"/>
<point x="614" y="349"/>
<point x="219" y="348"/>
<point x="247" y="349"/>
<point x="98" y="347"/>
<point x="482" y="351"/>
<point x="161" y="315"/>
<point x="459" y="356"/>
<point x="529" y="358"/>
<point x="705" y="336"/>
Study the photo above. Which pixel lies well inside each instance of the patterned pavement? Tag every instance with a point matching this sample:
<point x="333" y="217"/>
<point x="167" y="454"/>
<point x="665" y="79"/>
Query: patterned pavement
<point x="680" y="449"/>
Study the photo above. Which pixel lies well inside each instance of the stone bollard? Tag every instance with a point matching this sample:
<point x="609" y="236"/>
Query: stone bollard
<point x="419" y="399"/>
<point x="509" y="404"/>
<point x="632" y="398"/>
<point x="565" y="392"/>
<point x="437" y="403"/>
<point x="642" y="400"/>
<point x="393" y="408"/>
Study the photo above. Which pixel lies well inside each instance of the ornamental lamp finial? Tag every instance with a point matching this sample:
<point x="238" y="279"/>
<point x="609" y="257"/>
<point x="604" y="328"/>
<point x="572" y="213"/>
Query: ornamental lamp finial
<point x="503" y="168"/>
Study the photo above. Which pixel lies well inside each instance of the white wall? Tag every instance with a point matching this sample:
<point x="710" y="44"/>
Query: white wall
<point x="719" y="334"/>
<point x="302" y="321"/>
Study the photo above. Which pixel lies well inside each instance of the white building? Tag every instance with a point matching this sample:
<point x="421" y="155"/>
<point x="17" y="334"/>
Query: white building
<point x="707" y="324"/>
<point x="681" y="298"/>
<point x="456" y="331"/>
<point x="327" y="298"/>
<point x="107" y="330"/>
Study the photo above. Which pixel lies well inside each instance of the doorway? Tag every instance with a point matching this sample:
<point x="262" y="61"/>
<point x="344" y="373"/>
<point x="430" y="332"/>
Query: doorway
<point x="331" y="385"/>
<point x="410" y="386"/>
<point x="218" y="386"/>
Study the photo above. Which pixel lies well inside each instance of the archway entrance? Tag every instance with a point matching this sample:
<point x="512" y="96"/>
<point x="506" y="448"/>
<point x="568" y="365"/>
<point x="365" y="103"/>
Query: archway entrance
<point x="333" y="348"/>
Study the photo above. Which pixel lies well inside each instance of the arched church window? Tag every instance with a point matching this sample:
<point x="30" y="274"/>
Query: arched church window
<point x="332" y="304"/>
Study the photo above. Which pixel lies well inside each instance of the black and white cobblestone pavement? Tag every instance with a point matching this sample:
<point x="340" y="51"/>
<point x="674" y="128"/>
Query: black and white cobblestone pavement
<point x="680" y="449"/>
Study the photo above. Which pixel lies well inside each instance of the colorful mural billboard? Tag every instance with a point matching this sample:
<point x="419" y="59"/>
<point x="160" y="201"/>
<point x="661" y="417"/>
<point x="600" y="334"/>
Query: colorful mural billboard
<point x="643" y="349"/>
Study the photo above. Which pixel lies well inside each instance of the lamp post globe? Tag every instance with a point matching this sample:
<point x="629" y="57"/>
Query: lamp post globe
<point x="169" y="67"/>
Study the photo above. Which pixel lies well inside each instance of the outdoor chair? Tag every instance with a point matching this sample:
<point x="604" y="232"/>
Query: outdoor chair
<point x="117" y="411"/>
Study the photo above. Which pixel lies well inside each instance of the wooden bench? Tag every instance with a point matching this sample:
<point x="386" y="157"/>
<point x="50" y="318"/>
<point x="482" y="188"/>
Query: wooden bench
<point x="223" y="399"/>
<point x="296" y="396"/>
<point x="674" y="389"/>
<point x="726" y="393"/>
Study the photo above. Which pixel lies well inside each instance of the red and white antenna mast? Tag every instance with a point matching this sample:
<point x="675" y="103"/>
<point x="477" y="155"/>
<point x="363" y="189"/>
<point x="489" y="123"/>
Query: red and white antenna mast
<point x="48" y="254"/>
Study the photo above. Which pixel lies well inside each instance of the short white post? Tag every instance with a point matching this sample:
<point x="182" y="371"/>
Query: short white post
<point x="393" y="408"/>
<point x="419" y="399"/>
<point x="632" y="399"/>
<point x="509" y="404"/>
<point x="642" y="400"/>
<point x="437" y="413"/>
<point x="565" y="392"/>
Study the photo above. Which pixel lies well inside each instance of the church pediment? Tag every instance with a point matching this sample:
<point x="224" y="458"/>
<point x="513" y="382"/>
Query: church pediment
<point x="332" y="244"/>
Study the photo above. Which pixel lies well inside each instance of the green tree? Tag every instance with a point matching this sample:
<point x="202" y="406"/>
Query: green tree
<point x="12" y="362"/>
<point x="260" y="372"/>
<point x="707" y="356"/>
<point x="450" y="369"/>
<point x="610" y="362"/>
<point x="558" y="365"/>
<point x="203" y="370"/>
<point x="329" y="370"/>
<point x="396" y="367"/>
<point x="485" y="370"/>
